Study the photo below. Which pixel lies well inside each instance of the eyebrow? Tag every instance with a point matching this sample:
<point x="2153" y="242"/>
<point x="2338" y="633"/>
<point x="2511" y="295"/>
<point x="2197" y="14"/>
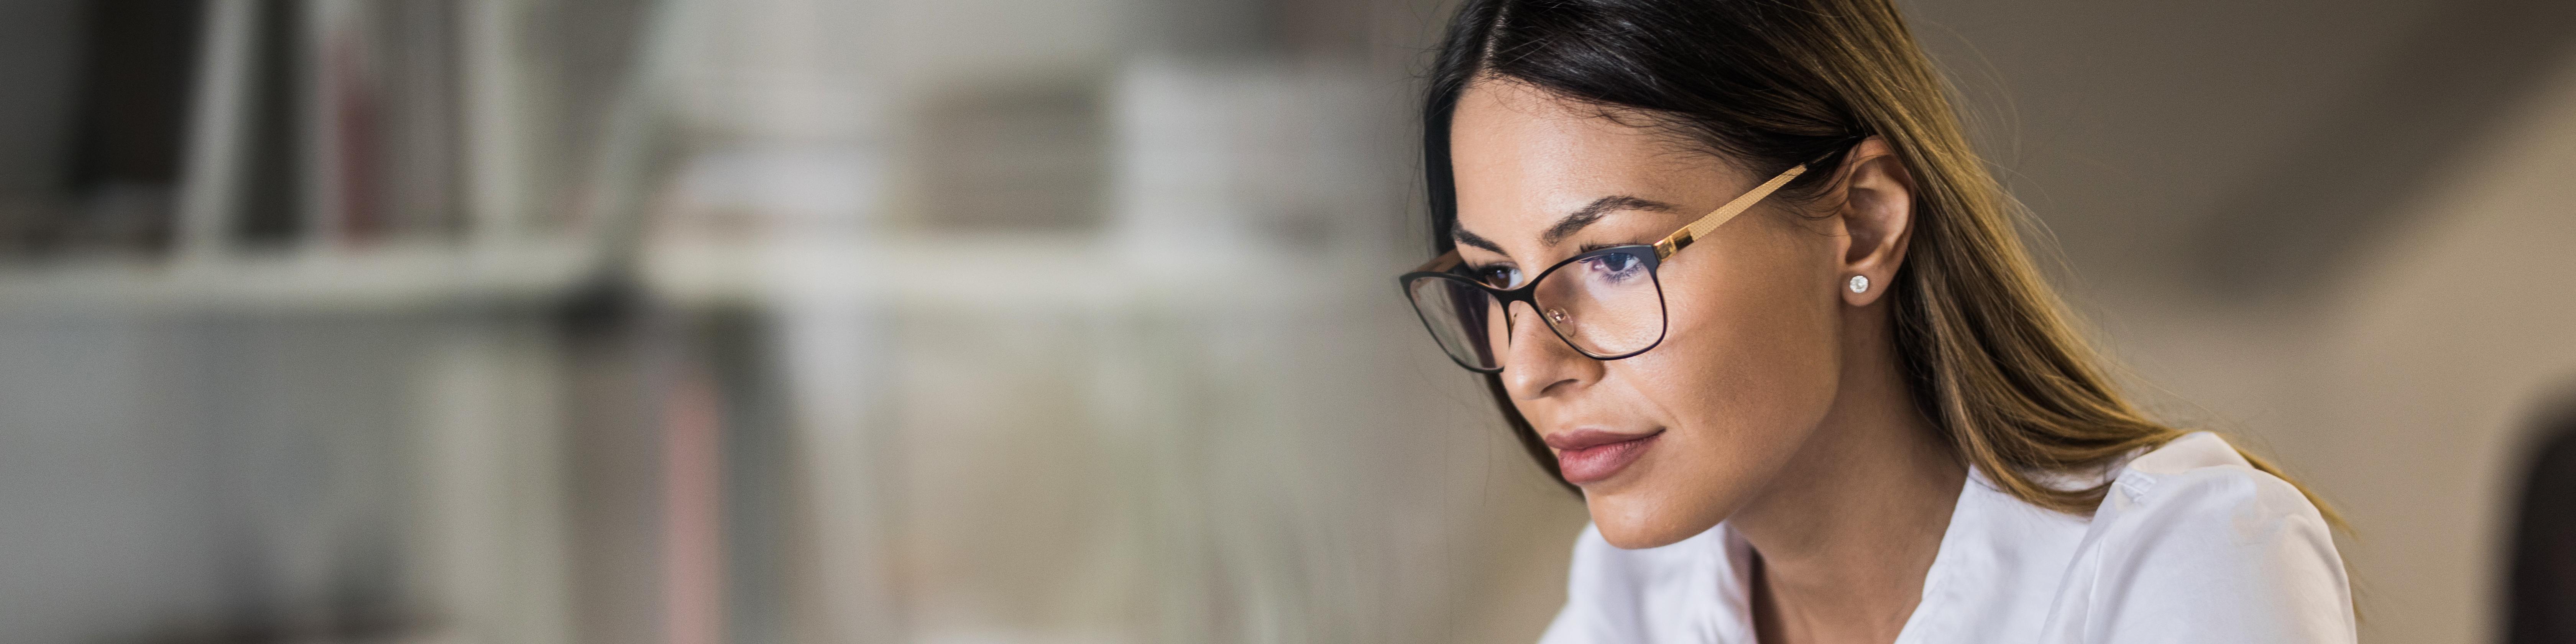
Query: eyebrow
<point x="1461" y="236"/>
<point x="1572" y="222"/>
<point x="1592" y="212"/>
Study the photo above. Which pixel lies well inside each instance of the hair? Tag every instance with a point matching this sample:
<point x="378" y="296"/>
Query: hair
<point x="1989" y="351"/>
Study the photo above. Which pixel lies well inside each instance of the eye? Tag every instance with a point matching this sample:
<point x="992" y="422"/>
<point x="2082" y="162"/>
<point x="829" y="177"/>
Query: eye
<point x="1616" y="266"/>
<point x="1499" y="276"/>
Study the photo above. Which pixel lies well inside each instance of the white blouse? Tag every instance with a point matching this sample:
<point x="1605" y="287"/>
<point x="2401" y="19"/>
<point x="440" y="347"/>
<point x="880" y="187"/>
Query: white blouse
<point x="2191" y="545"/>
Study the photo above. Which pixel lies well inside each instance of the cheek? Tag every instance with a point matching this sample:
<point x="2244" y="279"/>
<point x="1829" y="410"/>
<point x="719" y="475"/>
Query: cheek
<point x="1748" y="368"/>
<point x="1751" y="345"/>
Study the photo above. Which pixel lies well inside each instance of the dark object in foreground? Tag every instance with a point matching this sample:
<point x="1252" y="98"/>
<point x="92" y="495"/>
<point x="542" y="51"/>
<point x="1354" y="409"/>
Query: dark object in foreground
<point x="2541" y="606"/>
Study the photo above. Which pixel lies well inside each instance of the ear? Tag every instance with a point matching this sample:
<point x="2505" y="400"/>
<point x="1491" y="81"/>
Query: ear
<point x="1876" y="197"/>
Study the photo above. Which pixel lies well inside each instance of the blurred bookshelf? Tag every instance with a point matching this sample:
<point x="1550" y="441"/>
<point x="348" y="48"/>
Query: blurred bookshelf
<point x="642" y="306"/>
<point x="363" y="222"/>
<point x="292" y="155"/>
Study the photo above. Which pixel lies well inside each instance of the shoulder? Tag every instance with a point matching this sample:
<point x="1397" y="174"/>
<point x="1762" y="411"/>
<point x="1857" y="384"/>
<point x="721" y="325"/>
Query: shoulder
<point x="2199" y="482"/>
<point x="2193" y="543"/>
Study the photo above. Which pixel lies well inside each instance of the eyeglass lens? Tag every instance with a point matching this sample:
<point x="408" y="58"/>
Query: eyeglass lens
<point x="1605" y="305"/>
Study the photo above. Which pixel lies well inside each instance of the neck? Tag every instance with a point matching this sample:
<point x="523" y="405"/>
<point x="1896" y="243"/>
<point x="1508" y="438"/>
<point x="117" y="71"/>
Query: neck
<point x="1846" y="534"/>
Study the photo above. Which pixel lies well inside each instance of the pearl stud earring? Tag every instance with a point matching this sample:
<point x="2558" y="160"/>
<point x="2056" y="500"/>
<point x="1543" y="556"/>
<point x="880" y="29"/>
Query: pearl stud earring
<point x="1860" y="284"/>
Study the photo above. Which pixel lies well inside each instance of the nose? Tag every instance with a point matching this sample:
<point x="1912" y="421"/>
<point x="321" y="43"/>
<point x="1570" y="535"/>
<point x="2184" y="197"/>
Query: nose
<point x="1537" y="364"/>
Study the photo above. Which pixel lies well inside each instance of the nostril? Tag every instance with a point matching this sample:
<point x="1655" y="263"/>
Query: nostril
<point x="1552" y="388"/>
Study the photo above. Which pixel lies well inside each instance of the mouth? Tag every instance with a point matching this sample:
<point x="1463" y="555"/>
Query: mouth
<point x="1588" y="455"/>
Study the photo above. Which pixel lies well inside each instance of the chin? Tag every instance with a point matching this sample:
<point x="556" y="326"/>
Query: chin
<point x="1634" y="518"/>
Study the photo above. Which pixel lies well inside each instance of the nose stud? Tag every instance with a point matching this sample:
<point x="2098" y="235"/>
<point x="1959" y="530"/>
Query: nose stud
<point x="1860" y="283"/>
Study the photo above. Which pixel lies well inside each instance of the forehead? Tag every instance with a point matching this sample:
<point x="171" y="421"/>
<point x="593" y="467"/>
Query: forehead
<point x="1523" y="157"/>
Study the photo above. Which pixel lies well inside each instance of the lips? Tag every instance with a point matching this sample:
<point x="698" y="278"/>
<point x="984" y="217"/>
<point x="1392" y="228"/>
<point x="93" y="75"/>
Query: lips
<point x="1587" y="455"/>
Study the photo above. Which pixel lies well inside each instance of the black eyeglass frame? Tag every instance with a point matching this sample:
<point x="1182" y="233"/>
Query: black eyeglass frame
<point x="1645" y="254"/>
<point x="1447" y="266"/>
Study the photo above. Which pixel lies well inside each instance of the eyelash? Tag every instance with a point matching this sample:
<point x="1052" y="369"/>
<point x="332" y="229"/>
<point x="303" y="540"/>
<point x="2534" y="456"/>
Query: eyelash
<point x="1481" y="271"/>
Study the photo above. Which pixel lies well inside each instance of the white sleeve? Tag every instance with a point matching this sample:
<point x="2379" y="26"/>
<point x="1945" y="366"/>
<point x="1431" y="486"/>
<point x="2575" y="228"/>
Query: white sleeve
<point x="2223" y="553"/>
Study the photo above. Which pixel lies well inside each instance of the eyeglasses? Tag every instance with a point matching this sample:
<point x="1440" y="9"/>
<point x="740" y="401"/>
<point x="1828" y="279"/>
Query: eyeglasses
<point x="1607" y="303"/>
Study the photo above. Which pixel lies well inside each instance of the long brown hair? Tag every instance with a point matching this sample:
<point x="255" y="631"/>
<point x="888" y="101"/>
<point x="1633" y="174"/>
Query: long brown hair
<point x="1989" y="350"/>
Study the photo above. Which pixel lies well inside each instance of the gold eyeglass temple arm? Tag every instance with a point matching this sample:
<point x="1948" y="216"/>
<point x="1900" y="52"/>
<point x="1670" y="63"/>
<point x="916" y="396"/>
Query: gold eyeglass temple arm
<point x="1440" y="264"/>
<point x="1680" y="239"/>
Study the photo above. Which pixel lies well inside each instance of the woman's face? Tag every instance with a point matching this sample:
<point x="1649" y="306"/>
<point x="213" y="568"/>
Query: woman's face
<point x="1667" y="443"/>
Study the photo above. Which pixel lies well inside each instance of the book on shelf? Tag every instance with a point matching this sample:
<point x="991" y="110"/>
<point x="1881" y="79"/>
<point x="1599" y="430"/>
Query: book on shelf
<point x="384" y="128"/>
<point x="90" y="127"/>
<point x="205" y="127"/>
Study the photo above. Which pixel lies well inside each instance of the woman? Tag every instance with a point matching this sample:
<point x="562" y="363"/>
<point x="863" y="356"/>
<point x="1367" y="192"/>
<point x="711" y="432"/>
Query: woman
<point x="1732" y="271"/>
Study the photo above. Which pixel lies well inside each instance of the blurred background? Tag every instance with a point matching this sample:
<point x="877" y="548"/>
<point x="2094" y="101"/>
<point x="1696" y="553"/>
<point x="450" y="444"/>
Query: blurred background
<point x="1002" y="321"/>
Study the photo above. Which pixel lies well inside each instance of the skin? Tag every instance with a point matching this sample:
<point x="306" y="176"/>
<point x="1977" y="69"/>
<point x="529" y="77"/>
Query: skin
<point x="1777" y="389"/>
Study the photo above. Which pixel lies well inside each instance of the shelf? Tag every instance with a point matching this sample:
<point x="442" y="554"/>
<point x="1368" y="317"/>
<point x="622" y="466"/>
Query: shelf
<point x="965" y="272"/>
<point x="378" y="277"/>
<point x="980" y="272"/>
